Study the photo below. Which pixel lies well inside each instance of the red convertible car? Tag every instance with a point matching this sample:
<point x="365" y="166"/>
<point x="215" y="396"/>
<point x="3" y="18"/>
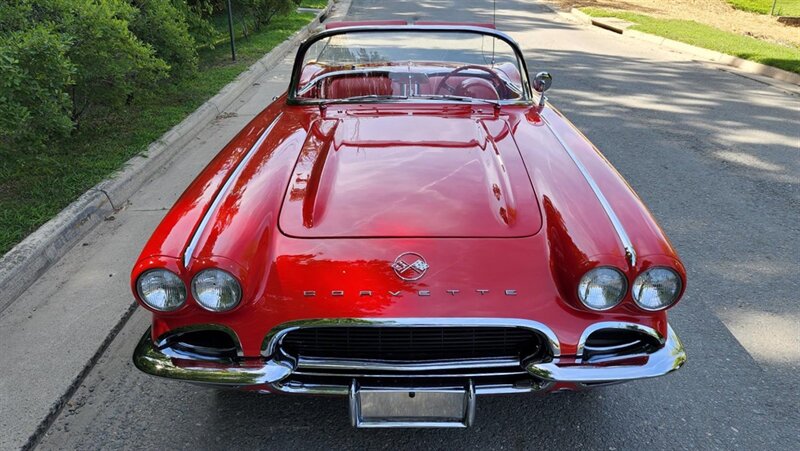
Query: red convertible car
<point x="411" y="225"/>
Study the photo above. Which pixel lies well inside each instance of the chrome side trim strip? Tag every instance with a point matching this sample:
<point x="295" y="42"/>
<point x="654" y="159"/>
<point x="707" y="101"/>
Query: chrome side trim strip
<point x="187" y="255"/>
<point x="615" y="325"/>
<point x="630" y="252"/>
<point x="275" y="336"/>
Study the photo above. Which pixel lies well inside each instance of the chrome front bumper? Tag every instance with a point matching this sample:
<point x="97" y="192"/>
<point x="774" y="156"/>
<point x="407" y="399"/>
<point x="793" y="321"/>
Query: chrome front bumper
<point x="167" y="362"/>
<point x="663" y="361"/>
<point x="271" y="374"/>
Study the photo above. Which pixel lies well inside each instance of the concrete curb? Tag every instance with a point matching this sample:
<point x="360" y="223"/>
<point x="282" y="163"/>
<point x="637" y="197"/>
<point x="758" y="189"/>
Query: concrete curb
<point x="744" y="65"/>
<point x="29" y="259"/>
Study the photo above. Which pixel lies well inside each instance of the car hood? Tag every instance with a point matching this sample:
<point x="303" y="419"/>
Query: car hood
<point x="409" y="176"/>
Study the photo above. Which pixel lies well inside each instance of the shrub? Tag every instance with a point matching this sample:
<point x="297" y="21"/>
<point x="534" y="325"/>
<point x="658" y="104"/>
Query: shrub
<point x="34" y="75"/>
<point x="163" y="25"/>
<point x="198" y="14"/>
<point x="261" y="12"/>
<point x="110" y="62"/>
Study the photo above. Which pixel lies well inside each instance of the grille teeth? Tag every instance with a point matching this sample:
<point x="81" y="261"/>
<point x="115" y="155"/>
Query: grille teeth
<point x="412" y="343"/>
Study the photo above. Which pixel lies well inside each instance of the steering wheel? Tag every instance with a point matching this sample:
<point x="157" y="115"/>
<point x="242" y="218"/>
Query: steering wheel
<point x="497" y="81"/>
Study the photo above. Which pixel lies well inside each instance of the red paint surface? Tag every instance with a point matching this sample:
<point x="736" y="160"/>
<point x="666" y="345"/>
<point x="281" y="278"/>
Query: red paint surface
<point x="396" y="178"/>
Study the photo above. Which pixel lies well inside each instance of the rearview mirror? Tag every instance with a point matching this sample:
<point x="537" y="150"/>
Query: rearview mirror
<point x="541" y="83"/>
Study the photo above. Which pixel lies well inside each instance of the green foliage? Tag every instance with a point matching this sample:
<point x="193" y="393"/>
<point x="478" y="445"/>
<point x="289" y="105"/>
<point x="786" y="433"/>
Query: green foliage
<point x="693" y="33"/>
<point x="782" y="7"/>
<point x="198" y="14"/>
<point x="34" y="75"/>
<point x="111" y="62"/>
<point x="164" y="26"/>
<point x="36" y="185"/>
<point x="261" y="12"/>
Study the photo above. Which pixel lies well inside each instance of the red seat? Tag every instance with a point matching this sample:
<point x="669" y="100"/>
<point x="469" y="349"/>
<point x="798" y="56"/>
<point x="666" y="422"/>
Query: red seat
<point x="344" y="87"/>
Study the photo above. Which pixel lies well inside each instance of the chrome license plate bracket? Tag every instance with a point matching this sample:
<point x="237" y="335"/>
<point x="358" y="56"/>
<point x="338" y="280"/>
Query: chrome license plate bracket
<point x="382" y="407"/>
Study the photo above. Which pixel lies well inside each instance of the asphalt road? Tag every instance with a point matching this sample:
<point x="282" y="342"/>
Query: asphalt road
<point x="716" y="157"/>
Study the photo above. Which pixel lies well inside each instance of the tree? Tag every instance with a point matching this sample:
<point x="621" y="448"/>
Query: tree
<point x="163" y="26"/>
<point x="261" y="12"/>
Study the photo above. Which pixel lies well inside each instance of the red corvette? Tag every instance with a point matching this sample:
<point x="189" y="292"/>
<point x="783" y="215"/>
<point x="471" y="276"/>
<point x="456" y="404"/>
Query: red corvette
<point x="410" y="225"/>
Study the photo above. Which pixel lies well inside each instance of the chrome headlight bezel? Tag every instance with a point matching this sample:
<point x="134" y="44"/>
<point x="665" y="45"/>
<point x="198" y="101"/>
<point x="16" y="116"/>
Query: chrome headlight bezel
<point x="636" y="293"/>
<point x="170" y="278"/>
<point x="223" y="279"/>
<point x="608" y="270"/>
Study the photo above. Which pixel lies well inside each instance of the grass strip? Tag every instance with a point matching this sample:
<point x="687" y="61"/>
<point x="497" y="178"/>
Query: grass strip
<point x="782" y="7"/>
<point x="34" y="187"/>
<point x="700" y="35"/>
<point x="318" y="4"/>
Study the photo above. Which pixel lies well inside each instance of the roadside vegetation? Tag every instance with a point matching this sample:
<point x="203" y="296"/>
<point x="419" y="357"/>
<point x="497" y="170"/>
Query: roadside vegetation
<point x="318" y="4"/>
<point x="720" y="14"/>
<point x="84" y="86"/>
<point x="782" y="7"/>
<point x="701" y="35"/>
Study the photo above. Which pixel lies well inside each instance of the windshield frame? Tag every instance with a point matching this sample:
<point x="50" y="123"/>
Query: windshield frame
<point x="293" y="99"/>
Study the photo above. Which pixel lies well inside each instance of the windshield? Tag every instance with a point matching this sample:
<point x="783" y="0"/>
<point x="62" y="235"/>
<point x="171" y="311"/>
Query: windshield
<point x="409" y="65"/>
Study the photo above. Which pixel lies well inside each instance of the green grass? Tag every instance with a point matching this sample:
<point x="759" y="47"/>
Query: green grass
<point x="690" y="32"/>
<point x="318" y="4"/>
<point x="36" y="186"/>
<point x="782" y="7"/>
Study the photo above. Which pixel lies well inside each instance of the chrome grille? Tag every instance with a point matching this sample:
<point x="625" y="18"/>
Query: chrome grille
<point x="412" y="343"/>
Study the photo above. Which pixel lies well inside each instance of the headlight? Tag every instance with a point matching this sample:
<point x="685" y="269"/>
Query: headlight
<point x="216" y="290"/>
<point x="602" y="288"/>
<point x="656" y="289"/>
<point x="161" y="289"/>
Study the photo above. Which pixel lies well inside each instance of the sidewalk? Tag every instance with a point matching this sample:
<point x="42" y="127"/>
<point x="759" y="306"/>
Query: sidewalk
<point x="53" y="332"/>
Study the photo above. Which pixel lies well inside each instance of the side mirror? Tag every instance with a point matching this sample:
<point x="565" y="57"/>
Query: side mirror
<point x="541" y="83"/>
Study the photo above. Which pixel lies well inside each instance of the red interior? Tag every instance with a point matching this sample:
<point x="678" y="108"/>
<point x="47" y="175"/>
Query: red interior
<point x="353" y="86"/>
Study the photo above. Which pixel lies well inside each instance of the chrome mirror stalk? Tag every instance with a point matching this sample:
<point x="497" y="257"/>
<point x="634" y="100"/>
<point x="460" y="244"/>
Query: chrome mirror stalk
<point x="541" y="83"/>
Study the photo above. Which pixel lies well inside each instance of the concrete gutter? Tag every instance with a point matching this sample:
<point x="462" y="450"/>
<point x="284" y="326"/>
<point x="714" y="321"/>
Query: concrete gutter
<point x="751" y="67"/>
<point x="29" y="259"/>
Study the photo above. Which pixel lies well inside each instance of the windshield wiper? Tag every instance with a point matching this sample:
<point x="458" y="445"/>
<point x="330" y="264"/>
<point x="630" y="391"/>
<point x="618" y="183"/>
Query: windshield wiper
<point x="457" y="98"/>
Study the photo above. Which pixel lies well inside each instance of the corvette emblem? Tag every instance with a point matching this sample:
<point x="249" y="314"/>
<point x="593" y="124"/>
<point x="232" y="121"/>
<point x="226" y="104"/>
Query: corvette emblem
<point x="410" y="266"/>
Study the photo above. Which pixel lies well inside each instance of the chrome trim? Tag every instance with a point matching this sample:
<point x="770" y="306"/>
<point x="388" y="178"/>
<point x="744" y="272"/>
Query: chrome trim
<point x="467" y="408"/>
<point x="274" y="373"/>
<point x="299" y="388"/>
<point x="666" y="360"/>
<point x="352" y="397"/>
<point x="630" y="252"/>
<point x="615" y="325"/>
<point x="292" y="96"/>
<point x="161" y="342"/>
<point x="187" y="255"/>
<point x="404" y="367"/>
<point x="157" y="362"/>
<point x="520" y="372"/>
<point x="612" y="348"/>
<point x="276" y="335"/>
